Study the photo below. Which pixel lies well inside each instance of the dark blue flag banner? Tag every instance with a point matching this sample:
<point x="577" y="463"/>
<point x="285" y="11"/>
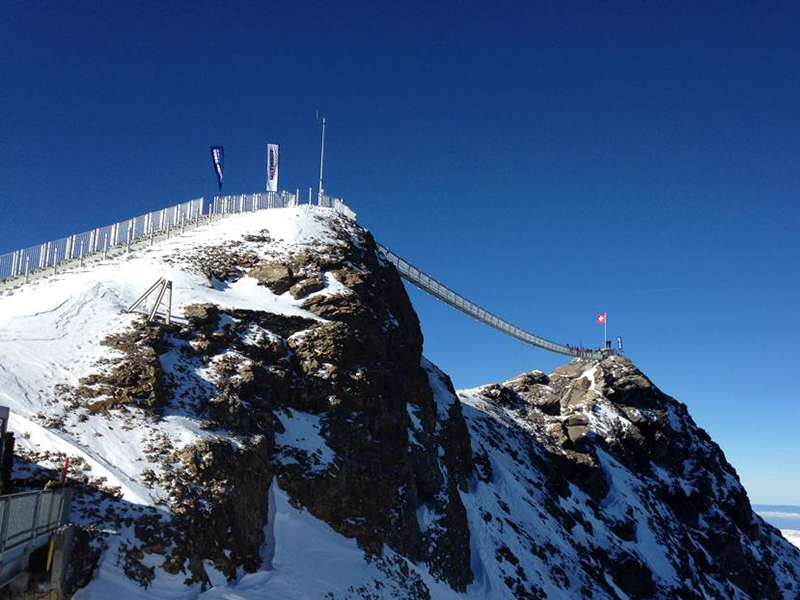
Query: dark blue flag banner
<point x="218" y="156"/>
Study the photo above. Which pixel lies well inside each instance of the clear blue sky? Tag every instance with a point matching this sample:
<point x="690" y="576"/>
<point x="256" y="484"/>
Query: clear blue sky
<point x="549" y="160"/>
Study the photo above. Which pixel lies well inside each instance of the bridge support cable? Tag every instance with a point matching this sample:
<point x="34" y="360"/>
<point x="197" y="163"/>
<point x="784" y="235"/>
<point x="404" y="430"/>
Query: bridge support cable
<point x="441" y="292"/>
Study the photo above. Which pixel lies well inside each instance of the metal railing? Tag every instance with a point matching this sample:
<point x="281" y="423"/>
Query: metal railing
<point x="26" y="516"/>
<point x="49" y="257"/>
<point x="52" y="254"/>
<point x="224" y="205"/>
<point x="440" y="291"/>
<point x="337" y="205"/>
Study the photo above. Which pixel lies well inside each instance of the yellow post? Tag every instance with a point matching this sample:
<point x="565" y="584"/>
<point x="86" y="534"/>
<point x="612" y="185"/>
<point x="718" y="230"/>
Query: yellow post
<point x="50" y="554"/>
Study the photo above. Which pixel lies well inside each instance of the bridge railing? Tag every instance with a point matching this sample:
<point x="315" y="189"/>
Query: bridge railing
<point x="26" y="516"/>
<point x="430" y="285"/>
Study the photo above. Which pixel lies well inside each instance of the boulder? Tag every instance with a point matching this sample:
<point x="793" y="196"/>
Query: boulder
<point x="307" y="286"/>
<point x="278" y="277"/>
<point x="577" y="426"/>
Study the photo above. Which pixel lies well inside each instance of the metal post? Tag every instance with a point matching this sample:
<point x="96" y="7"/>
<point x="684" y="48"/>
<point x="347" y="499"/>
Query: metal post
<point x="81" y="253"/>
<point x="129" y="236"/>
<point x="27" y="268"/>
<point x="141" y="298"/>
<point x="105" y="247"/>
<point x="55" y="259"/>
<point x="36" y="515"/>
<point x="169" y="302"/>
<point x="183" y="222"/>
<point x="159" y="297"/>
<point x="321" y="162"/>
<point x="4" y="526"/>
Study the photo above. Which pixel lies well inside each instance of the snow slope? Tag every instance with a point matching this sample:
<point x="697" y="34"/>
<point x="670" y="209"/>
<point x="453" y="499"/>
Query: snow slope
<point x="50" y="333"/>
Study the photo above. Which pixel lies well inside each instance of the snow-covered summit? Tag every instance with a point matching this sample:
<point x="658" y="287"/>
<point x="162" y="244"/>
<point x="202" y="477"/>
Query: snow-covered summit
<point x="51" y="333"/>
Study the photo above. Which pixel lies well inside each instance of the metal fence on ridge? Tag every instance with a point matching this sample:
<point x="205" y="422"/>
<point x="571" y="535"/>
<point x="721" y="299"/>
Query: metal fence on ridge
<point x="112" y="239"/>
<point x="22" y="263"/>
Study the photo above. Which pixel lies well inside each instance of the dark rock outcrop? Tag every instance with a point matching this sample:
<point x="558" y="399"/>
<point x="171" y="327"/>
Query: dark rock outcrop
<point x="277" y="277"/>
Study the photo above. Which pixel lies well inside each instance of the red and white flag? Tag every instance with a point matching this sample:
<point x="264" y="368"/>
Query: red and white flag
<point x="601" y="318"/>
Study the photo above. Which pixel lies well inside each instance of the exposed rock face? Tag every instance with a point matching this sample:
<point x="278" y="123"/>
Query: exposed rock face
<point x="276" y="276"/>
<point x="138" y="380"/>
<point x="354" y="372"/>
<point x="361" y="371"/>
<point x="659" y="509"/>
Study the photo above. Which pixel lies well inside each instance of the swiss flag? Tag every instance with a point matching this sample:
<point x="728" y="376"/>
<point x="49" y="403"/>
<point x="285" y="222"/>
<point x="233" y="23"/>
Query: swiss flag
<point x="601" y="318"/>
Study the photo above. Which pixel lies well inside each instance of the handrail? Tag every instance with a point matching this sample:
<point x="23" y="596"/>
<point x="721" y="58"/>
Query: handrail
<point x="47" y="258"/>
<point x="102" y="240"/>
<point x="28" y="515"/>
<point x="440" y="291"/>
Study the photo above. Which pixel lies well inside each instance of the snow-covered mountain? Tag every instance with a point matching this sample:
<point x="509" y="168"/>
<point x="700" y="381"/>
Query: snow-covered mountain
<point x="285" y="438"/>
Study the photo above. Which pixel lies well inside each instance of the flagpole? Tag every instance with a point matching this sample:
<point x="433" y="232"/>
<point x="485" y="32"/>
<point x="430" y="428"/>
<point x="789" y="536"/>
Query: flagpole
<point x="605" y="337"/>
<point x="320" y="191"/>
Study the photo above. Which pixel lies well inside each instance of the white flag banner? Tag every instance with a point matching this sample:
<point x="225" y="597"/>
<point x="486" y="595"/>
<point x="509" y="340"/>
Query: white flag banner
<point x="273" y="159"/>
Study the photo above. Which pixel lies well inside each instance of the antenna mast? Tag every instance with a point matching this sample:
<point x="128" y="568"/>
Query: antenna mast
<point x="321" y="164"/>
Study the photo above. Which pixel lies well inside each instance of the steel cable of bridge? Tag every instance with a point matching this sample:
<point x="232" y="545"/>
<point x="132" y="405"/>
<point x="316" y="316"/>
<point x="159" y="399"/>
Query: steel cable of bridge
<point x="443" y="293"/>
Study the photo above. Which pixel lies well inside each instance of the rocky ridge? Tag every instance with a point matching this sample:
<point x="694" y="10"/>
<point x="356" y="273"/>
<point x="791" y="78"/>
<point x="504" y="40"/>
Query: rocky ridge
<point x="644" y="499"/>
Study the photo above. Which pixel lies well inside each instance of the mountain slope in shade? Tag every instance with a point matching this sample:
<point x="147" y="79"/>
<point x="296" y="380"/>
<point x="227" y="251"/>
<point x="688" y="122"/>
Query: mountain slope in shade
<point x="792" y="535"/>
<point x="285" y="438"/>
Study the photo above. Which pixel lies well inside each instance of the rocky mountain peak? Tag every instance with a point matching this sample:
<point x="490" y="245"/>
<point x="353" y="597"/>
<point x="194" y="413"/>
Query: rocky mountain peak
<point x="663" y="499"/>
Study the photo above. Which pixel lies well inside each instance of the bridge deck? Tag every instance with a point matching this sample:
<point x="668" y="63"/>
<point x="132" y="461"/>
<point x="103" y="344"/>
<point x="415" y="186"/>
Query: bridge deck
<point x="440" y="291"/>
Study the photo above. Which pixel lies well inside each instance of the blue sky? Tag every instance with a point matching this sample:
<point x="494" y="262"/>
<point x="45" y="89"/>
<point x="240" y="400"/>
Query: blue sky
<point x="547" y="160"/>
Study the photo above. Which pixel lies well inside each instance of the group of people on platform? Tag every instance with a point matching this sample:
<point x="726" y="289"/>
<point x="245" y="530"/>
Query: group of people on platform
<point x="580" y="351"/>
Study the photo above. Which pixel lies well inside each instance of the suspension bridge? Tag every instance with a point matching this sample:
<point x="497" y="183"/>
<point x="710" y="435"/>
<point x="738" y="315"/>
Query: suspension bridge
<point x="22" y="266"/>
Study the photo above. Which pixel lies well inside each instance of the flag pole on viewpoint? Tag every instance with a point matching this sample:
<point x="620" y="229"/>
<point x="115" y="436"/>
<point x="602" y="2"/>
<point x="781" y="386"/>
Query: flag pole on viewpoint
<point x="603" y="318"/>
